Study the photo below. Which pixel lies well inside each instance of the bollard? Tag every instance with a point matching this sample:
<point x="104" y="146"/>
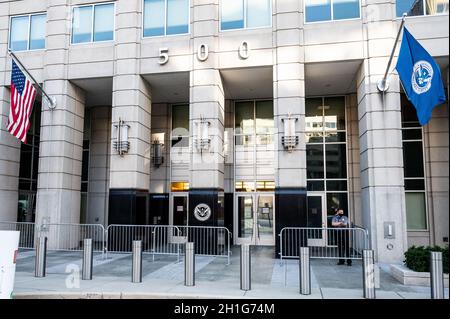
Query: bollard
<point x="436" y="275"/>
<point x="136" y="273"/>
<point x="305" y="271"/>
<point x="88" y="256"/>
<point x="246" y="262"/>
<point x="368" y="275"/>
<point x="41" y="257"/>
<point x="189" y="265"/>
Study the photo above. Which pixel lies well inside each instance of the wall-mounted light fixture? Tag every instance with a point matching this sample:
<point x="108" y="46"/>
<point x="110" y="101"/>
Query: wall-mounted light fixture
<point x="157" y="149"/>
<point x="121" y="143"/>
<point x="202" y="140"/>
<point x="289" y="139"/>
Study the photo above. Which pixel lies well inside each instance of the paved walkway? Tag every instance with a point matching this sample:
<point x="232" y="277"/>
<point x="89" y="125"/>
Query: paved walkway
<point x="163" y="278"/>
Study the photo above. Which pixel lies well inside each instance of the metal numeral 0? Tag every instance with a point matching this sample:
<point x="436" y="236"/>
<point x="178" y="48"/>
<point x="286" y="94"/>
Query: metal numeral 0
<point x="163" y="55"/>
<point x="203" y="52"/>
<point x="244" y="50"/>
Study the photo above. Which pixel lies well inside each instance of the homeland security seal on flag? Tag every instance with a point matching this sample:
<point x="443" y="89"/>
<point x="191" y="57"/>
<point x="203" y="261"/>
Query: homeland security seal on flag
<point x="422" y="76"/>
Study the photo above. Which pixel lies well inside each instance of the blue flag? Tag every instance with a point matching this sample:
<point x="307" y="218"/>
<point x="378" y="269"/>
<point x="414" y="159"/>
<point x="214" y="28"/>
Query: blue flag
<point x="420" y="76"/>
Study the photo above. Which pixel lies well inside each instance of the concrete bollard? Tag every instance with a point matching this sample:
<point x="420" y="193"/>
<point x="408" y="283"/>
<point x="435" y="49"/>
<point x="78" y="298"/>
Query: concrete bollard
<point x="368" y="275"/>
<point x="436" y="275"/>
<point x="189" y="265"/>
<point x="136" y="272"/>
<point x="304" y="271"/>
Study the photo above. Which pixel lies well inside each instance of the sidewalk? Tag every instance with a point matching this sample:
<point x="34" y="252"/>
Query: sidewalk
<point x="163" y="278"/>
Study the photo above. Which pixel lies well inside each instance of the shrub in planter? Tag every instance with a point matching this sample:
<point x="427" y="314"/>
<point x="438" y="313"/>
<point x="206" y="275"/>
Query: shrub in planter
<point x="418" y="258"/>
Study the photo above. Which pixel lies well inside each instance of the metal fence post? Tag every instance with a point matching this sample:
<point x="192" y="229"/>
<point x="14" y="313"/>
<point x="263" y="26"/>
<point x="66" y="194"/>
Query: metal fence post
<point x="305" y="271"/>
<point x="368" y="274"/>
<point x="246" y="273"/>
<point x="136" y="274"/>
<point x="189" y="265"/>
<point x="436" y="275"/>
<point x="88" y="256"/>
<point x="41" y="257"/>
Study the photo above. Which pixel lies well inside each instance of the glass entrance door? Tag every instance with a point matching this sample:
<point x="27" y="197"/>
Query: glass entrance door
<point x="316" y="218"/>
<point x="179" y="209"/>
<point x="255" y="219"/>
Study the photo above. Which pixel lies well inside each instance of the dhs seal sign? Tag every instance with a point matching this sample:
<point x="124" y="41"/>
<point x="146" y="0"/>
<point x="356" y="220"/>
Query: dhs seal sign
<point x="202" y="212"/>
<point x="421" y="77"/>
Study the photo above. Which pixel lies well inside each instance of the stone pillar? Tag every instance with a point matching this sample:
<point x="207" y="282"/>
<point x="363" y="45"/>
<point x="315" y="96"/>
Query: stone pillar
<point x="289" y="100"/>
<point x="381" y="156"/>
<point x="207" y="102"/>
<point x="130" y="173"/>
<point x="60" y="158"/>
<point x="9" y="145"/>
<point x="99" y="157"/>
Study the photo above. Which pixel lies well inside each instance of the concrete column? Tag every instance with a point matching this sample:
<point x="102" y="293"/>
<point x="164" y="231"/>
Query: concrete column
<point x="99" y="157"/>
<point x="207" y="102"/>
<point x="9" y="146"/>
<point x="381" y="156"/>
<point x="60" y="158"/>
<point x="289" y="100"/>
<point x="130" y="173"/>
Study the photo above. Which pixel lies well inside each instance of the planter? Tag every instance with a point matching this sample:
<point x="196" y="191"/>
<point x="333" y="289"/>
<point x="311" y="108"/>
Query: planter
<point x="413" y="278"/>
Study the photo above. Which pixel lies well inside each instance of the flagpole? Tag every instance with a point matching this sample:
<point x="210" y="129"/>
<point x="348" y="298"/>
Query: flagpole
<point x="383" y="84"/>
<point x="49" y="99"/>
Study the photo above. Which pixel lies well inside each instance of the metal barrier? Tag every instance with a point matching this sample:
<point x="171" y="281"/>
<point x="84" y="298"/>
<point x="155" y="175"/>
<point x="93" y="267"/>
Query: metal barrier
<point x="156" y="239"/>
<point x="70" y="237"/>
<point x="27" y="233"/>
<point x="209" y="240"/>
<point x="328" y="243"/>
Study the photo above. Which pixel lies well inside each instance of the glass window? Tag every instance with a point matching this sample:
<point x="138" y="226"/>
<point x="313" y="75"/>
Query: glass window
<point x="240" y="14"/>
<point x="327" y="10"/>
<point x="154" y="13"/>
<point x="314" y="159"/>
<point x="177" y="16"/>
<point x="37" y="32"/>
<point x="166" y="17"/>
<point x="258" y="13"/>
<point x="264" y="117"/>
<point x="416" y="211"/>
<point x="244" y="117"/>
<point x="180" y="125"/>
<point x="82" y="24"/>
<point x="345" y="9"/>
<point x="93" y="23"/>
<point x="421" y="7"/>
<point x="336" y="158"/>
<point x="232" y="14"/>
<point x="318" y="10"/>
<point x="27" y="32"/>
<point x="104" y="22"/>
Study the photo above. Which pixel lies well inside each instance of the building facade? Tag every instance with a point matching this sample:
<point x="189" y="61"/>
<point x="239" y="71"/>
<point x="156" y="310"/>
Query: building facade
<point x="250" y="114"/>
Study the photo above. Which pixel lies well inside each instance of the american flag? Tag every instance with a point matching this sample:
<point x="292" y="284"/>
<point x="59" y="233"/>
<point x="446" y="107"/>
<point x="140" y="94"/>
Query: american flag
<point x="23" y="94"/>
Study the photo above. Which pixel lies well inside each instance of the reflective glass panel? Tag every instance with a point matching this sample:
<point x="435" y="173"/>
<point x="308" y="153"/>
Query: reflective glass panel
<point x="411" y="7"/>
<point x="336" y="158"/>
<point x="177" y="16"/>
<point x="259" y="13"/>
<point x="335" y="113"/>
<point x="264" y="117"/>
<point x="314" y="161"/>
<point x="413" y="159"/>
<point x="345" y="9"/>
<point x="82" y="24"/>
<point x="154" y="15"/>
<point x="19" y="34"/>
<point x="245" y="215"/>
<point x="232" y="14"/>
<point x="415" y="211"/>
<point x="318" y="10"/>
<point x="104" y="22"/>
<point x="437" y="6"/>
<point x="37" y="32"/>
<point x="244" y="118"/>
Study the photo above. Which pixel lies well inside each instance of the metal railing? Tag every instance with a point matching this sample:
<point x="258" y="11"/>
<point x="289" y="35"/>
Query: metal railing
<point x="325" y="243"/>
<point x="169" y="240"/>
<point x="27" y="233"/>
<point x="156" y="239"/>
<point x="70" y="237"/>
<point x="209" y="240"/>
